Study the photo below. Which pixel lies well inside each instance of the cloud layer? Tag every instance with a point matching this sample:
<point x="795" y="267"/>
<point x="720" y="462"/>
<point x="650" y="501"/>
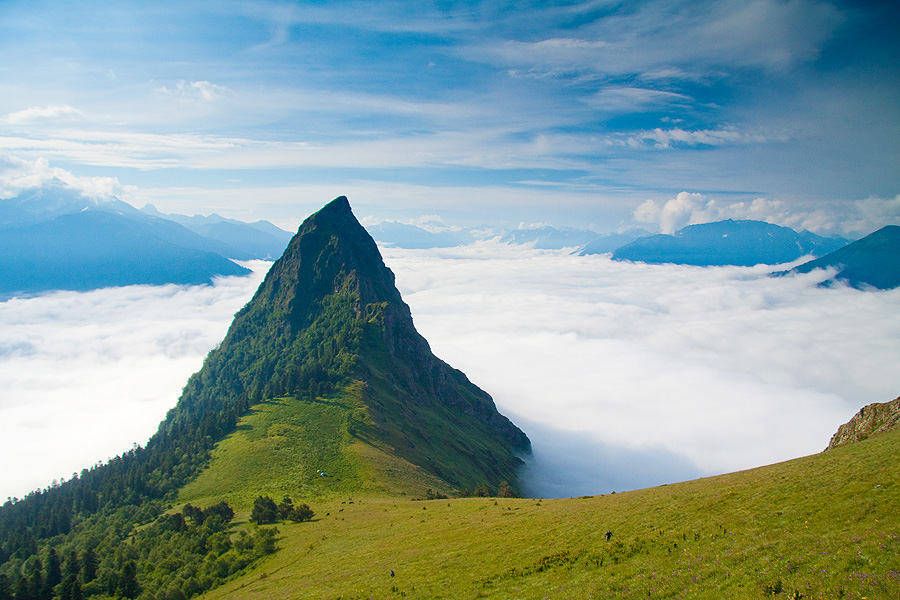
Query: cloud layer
<point x="84" y="376"/>
<point x="636" y="375"/>
<point x="623" y="375"/>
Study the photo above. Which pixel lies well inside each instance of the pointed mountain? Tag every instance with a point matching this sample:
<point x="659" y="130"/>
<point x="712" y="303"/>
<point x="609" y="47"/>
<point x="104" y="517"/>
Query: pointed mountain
<point x="873" y="261"/>
<point x="328" y="327"/>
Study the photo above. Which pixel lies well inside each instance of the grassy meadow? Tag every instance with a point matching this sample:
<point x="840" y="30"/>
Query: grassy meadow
<point x="823" y="526"/>
<point x="285" y="445"/>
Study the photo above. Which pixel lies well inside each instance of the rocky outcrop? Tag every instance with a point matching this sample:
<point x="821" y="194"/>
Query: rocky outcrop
<point x="870" y="420"/>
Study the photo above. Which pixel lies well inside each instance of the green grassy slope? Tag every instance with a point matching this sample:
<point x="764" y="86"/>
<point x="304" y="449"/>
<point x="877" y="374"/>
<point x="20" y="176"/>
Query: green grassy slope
<point x="824" y="526"/>
<point x="284" y="445"/>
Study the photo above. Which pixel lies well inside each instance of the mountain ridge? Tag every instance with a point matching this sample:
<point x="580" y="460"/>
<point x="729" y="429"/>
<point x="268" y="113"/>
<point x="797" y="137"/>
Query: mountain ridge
<point x="57" y="238"/>
<point x="870" y="262"/>
<point x="740" y="243"/>
<point x="92" y="249"/>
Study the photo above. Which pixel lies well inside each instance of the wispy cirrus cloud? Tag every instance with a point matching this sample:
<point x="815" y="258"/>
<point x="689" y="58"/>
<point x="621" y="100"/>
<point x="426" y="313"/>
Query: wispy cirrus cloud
<point x="55" y="112"/>
<point x="195" y="91"/>
<point x="618" y="99"/>
<point x="667" y="138"/>
<point x="766" y="34"/>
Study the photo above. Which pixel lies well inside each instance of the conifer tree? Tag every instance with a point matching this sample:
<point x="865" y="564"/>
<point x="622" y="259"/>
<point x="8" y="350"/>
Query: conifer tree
<point x="128" y="584"/>
<point x="52" y="573"/>
<point x="5" y="588"/>
<point x="88" y="565"/>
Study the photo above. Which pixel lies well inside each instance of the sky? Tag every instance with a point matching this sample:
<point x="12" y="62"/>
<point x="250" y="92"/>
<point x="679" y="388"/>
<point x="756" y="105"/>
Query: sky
<point x="622" y="375"/>
<point x="602" y="113"/>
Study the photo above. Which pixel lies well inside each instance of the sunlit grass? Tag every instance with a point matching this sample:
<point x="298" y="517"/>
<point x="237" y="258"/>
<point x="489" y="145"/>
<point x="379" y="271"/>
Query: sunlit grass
<point x="312" y="449"/>
<point x="825" y="526"/>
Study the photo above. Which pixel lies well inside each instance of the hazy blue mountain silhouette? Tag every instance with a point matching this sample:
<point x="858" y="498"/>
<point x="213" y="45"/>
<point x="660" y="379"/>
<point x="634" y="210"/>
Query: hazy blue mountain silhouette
<point x="402" y="235"/>
<point x="873" y="261"/>
<point x="611" y="242"/>
<point x="94" y="248"/>
<point x="740" y="243"/>
<point x="241" y="241"/>
<point x="53" y="200"/>
<point x="551" y="238"/>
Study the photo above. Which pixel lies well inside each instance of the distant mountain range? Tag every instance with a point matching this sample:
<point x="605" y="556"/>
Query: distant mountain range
<point x="610" y="242"/>
<point x="402" y="235"/>
<point x="873" y="261"/>
<point x="54" y="238"/>
<point x="241" y="241"/>
<point x="742" y="243"/>
<point x="739" y="243"/>
<point x="551" y="238"/>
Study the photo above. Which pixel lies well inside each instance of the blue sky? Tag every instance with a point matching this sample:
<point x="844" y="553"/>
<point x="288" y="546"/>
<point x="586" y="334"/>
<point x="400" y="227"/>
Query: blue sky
<point x="599" y="114"/>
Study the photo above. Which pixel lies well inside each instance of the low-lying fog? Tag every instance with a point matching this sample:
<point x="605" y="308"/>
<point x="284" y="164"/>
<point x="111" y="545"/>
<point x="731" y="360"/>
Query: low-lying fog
<point x="622" y="375"/>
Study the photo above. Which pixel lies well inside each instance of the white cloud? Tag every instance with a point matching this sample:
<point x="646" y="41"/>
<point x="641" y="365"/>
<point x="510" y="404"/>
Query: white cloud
<point x="18" y="175"/>
<point x="705" y="370"/>
<point x="854" y="219"/>
<point x="673" y="214"/>
<point x="666" y="138"/>
<point x="55" y="112"/>
<point x="873" y="213"/>
<point x="623" y="375"/>
<point x="86" y="375"/>
<point x="195" y="91"/>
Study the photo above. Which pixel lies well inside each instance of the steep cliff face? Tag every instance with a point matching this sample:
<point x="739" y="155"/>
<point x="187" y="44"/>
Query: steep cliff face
<point x="327" y="316"/>
<point x="870" y="420"/>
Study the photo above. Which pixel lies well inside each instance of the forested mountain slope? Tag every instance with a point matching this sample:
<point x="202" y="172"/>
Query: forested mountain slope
<point x="328" y="338"/>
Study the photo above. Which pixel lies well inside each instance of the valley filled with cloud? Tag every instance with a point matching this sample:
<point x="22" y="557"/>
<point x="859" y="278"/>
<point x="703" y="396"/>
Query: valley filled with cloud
<point x="623" y="375"/>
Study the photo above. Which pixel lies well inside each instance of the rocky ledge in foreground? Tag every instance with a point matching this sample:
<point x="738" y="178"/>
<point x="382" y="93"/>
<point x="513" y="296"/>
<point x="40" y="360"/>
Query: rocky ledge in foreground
<point x="871" y="419"/>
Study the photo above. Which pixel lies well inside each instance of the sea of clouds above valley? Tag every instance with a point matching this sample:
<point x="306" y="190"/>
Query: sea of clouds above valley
<point x="623" y="375"/>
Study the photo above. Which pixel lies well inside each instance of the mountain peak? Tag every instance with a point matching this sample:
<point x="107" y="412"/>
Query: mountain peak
<point x="337" y="207"/>
<point x="336" y="214"/>
<point x="328" y="322"/>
